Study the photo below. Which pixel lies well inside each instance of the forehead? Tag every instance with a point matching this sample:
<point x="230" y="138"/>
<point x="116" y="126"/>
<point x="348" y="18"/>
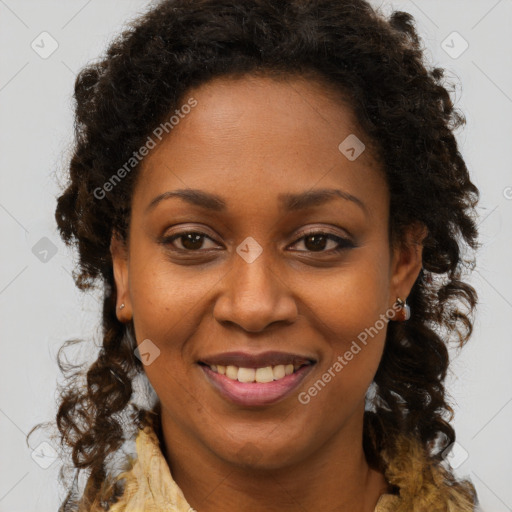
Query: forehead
<point x="256" y="134"/>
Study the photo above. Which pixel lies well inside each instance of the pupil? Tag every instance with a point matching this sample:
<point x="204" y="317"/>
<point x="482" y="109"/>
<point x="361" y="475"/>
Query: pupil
<point x="192" y="241"/>
<point x="318" y="242"/>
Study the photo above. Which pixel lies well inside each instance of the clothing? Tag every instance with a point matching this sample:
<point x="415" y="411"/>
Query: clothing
<point x="150" y="486"/>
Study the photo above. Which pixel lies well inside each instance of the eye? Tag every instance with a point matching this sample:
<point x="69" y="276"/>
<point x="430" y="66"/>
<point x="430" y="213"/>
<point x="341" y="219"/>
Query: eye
<point x="317" y="241"/>
<point x="189" y="240"/>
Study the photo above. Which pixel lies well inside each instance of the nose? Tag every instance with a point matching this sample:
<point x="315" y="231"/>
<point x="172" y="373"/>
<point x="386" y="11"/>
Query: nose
<point x="255" y="296"/>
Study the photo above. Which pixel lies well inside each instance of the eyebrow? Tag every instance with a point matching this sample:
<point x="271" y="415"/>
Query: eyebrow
<point x="289" y="201"/>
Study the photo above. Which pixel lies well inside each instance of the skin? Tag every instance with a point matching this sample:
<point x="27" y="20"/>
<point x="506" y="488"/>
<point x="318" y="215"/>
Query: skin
<point x="249" y="140"/>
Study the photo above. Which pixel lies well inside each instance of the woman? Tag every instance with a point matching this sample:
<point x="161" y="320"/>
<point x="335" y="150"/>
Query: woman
<point x="272" y="198"/>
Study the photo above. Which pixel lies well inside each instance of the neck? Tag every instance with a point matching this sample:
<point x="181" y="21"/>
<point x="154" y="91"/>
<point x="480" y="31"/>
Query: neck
<point x="337" y="473"/>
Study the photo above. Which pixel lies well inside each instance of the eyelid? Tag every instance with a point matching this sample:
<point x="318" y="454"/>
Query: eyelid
<point x="186" y="228"/>
<point x="321" y="231"/>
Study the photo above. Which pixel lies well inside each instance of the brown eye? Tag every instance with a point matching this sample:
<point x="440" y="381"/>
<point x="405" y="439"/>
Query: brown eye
<point x="319" y="241"/>
<point x="315" y="242"/>
<point x="189" y="240"/>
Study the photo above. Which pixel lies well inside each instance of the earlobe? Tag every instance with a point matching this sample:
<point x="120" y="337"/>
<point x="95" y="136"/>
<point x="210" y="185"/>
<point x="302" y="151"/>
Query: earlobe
<point x="408" y="259"/>
<point x="119" y="255"/>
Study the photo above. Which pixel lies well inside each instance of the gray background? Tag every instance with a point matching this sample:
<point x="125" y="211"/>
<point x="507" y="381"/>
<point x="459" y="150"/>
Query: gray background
<point x="40" y="307"/>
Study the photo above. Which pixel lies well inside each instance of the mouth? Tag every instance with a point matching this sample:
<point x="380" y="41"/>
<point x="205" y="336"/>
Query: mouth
<point x="262" y="368"/>
<point x="262" y="374"/>
<point x="253" y="380"/>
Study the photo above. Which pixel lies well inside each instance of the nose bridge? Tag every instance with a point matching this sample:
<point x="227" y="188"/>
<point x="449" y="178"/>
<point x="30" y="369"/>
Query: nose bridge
<point x="254" y="296"/>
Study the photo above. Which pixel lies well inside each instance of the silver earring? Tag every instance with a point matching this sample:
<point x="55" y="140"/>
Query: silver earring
<point x="121" y="306"/>
<point x="406" y="310"/>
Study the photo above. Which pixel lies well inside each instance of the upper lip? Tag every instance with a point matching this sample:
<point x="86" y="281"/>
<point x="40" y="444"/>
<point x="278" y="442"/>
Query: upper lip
<point x="247" y="360"/>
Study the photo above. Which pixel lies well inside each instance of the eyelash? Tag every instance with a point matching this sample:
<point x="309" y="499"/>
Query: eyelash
<point x="343" y="243"/>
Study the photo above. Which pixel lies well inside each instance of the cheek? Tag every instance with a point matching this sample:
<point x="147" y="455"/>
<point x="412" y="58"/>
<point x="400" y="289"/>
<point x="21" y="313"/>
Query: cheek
<point x="349" y="310"/>
<point x="356" y="344"/>
<point x="165" y="297"/>
<point x="166" y="305"/>
<point x="170" y="306"/>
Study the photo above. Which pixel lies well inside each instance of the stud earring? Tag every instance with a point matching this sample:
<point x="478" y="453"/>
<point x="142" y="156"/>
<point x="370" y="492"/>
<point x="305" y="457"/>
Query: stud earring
<point x="121" y="306"/>
<point x="405" y="311"/>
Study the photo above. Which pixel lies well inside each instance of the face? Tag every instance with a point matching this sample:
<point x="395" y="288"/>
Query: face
<point x="276" y="263"/>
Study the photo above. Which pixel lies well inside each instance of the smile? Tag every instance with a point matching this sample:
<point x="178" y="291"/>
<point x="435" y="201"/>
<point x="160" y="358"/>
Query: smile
<point x="256" y="380"/>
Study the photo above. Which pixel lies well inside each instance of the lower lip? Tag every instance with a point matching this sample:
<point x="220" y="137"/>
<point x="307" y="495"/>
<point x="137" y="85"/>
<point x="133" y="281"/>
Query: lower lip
<point x="256" y="393"/>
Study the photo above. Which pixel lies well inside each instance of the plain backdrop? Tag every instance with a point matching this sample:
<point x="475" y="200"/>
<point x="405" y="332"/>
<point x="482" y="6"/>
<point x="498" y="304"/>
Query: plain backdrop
<point x="40" y="307"/>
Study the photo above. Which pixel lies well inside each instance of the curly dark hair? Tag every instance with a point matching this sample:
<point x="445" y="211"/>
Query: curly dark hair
<point x="403" y="107"/>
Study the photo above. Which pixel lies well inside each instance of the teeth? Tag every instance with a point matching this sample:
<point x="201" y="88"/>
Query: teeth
<point x="279" y="371"/>
<point x="263" y="374"/>
<point x="246" y="374"/>
<point x="266" y="374"/>
<point x="231" y="372"/>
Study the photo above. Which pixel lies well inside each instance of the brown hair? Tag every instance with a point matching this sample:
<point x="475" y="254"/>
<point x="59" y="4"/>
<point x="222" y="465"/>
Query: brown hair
<point x="404" y="109"/>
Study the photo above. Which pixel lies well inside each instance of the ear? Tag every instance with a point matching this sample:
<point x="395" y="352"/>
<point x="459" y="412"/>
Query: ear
<point x="119" y="253"/>
<point x="407" y="261"/>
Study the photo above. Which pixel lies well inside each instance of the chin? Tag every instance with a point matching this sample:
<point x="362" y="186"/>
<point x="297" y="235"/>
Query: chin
<point x="257" y="454"/>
